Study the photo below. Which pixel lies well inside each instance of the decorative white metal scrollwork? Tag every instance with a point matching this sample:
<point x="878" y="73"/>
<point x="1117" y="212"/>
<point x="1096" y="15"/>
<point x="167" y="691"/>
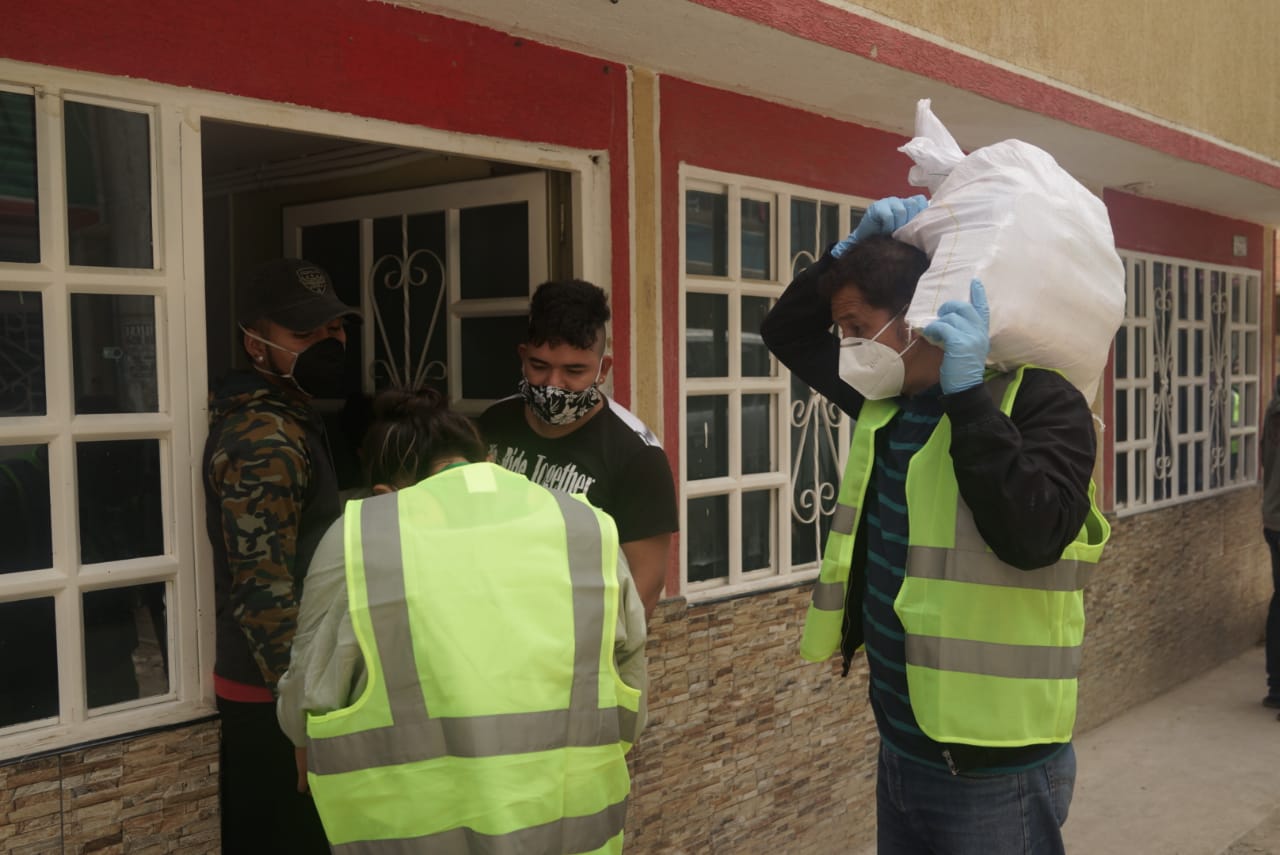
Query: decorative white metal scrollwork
<point x="1219" y="388"/>
<point x="1162" y="375"/>
<point x="815" y="430"/>
<point x="407" y="273"/>
<point x="818" y="421"/>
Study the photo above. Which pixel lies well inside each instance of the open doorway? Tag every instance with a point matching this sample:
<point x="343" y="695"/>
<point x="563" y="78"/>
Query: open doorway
<point x="440" y="251"/>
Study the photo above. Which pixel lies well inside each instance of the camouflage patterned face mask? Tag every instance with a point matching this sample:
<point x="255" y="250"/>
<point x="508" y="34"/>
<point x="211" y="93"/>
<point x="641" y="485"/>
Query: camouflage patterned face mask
<point x="557" y="406"/>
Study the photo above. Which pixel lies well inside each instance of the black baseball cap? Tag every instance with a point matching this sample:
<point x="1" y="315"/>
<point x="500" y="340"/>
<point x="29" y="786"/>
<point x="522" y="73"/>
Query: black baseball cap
<point x="292" y="292"/>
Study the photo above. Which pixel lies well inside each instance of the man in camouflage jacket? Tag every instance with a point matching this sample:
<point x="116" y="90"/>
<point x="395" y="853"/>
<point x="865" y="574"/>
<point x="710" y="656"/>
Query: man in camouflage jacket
<point x="271" y="491"/>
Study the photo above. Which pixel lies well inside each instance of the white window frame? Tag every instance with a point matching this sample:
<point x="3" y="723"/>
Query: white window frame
<point x="177" y="282"/>
<point x="780" y="573"/>
<point x="450" y="199"/>
<point x="61" y="428"/>
<point x="1149" y="352"/>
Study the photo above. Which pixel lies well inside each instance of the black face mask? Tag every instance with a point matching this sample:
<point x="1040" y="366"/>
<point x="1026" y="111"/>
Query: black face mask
<point x="320" y="370"/>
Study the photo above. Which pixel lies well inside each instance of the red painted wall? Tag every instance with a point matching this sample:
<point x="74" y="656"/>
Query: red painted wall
<point x="368" y="59"/>
<point x="721" y="130"/>
<point x="1163" y="228"/>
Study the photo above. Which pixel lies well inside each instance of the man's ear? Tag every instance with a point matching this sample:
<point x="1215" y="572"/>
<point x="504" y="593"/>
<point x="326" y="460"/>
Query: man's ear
<point x="606" y="363"/>
<point x="257" y="350"/>
<point x="382" y="489"/>
<point x="522" y="349"/>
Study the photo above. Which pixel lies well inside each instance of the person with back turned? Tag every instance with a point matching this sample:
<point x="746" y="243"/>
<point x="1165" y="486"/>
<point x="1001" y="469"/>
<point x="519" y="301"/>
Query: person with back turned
<point x="468" y="672"/>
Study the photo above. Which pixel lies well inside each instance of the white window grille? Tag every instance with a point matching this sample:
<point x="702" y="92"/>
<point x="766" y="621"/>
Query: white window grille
<point x="762" y="454"/>
<point x="1186" y="382"/>
<point x="443" y="308"/>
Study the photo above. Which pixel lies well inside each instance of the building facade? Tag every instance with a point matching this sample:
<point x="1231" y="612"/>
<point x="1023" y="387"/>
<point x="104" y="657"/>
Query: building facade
<point x="441" y="159"/>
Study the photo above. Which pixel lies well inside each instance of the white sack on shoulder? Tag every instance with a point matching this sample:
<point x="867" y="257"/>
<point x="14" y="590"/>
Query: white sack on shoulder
<point x="1038" y="239"/>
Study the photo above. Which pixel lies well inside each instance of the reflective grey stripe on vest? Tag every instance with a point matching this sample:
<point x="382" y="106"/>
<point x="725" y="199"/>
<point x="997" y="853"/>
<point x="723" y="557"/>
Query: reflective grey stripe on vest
<point x="971" y="561"/>
<point x="1022" y="661"/>
<point x="571" y="834"/>
<point x="415" y="736"/>
<point x="829" y="596"/>
<point x="842" y="519"/>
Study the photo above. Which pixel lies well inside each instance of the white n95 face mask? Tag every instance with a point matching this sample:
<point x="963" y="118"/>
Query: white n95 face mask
<point x="874" y="370"/>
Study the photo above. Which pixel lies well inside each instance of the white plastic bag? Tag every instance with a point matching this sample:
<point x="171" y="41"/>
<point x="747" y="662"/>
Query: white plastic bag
<point x="1038" y="239"/>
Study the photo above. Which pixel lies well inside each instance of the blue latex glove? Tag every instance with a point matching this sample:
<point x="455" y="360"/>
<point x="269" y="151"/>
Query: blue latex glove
<point x="883" y="217"/>
<point x="961" y="330"/>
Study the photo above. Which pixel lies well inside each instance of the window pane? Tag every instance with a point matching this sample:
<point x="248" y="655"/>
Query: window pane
<point x="1122" y="353"/>
<point x="1122" y="478"/>
<point x="814" y="438"/>
<point x="25" y="527"/>
<point x="336" y="248"/>
<point x="1140" y="413"/>
<point x="804" y="234"/>
<point x="126" y="646"/>
<point x="21" y="354"/>
<point x="119" y="487"/>
<point x="706" y="233"/>
<point x="757" y="530"/>
<point x="1122" y="415"/>
<point x="113" y="341"/>
<point x="830" y="226"/>
<point x="757" y="231"/>
<point x="707" y="421"/>
<point x="19" y="215"/>
<point x="855" y="217"/>
<point x="757" y="433"/>
<point x="494" y="251"/>
<point x="755" y="356"/>
<point x="490" y="364"/>
<point x="409" y="276"/>
<point x="108" y="159"/>
<point x="708" y="538"/>
<point x="28" y="661"/>
<point x="706" y="336"/>
<point x="1139" y="352"/>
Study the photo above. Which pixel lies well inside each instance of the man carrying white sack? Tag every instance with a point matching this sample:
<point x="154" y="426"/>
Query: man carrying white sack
<point x="964" y="533"/>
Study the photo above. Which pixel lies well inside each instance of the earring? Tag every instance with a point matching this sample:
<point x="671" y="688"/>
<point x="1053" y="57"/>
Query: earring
<point x="259" y="358"/>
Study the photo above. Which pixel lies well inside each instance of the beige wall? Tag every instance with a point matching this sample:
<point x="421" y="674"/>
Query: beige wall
<point x="1212" y="67"/>
<point x="751" y="750"/>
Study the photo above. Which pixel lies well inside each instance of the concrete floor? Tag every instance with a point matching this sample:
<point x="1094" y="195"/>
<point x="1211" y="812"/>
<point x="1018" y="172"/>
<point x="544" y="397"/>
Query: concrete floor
<point x="1193" y="772"/>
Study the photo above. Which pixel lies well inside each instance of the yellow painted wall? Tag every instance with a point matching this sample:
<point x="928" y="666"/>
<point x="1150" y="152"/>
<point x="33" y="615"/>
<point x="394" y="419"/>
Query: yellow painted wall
<point x="1212" y="67"/>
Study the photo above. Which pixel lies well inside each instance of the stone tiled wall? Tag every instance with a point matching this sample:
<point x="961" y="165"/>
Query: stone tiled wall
<point x="1177" y="592"/>
<point x="751" y="750"/>
<point x="147" y="795"/>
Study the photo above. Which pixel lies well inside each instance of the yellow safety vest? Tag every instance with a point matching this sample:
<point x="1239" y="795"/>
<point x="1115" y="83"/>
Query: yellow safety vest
<point x="494" y="719"/>
<point x="992" y="651"/>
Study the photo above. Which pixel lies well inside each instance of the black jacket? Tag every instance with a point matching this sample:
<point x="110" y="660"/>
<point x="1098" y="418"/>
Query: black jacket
<point x="1024" y="476"/>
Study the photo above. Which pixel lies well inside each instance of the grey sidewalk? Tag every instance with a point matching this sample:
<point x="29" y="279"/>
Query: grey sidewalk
<point x="1194" y="772"/>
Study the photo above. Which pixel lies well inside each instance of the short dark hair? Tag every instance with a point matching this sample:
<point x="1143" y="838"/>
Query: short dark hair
<point x="412" y="429"/>
<point x="568" y="311"/>
<point x="884" y="270"/>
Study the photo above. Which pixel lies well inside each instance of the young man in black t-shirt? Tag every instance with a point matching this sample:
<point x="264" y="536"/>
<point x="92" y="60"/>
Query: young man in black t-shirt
<point x="560" y="431"/>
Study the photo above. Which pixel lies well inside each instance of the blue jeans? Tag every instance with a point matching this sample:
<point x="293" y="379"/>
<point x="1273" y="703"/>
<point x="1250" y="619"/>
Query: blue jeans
<point x="925" y="811"/>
